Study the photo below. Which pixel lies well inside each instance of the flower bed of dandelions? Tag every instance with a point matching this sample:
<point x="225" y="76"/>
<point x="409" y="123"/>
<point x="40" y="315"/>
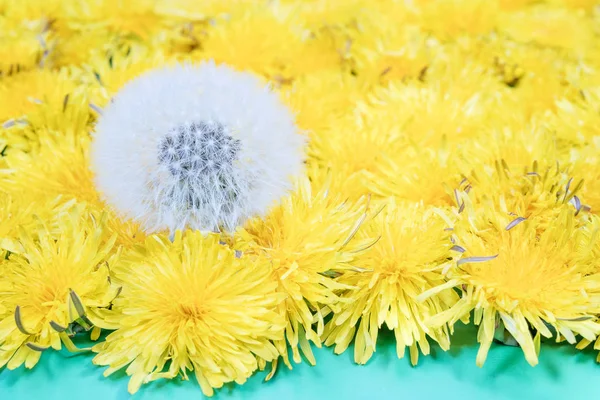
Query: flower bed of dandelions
<point x="295" y="174"/>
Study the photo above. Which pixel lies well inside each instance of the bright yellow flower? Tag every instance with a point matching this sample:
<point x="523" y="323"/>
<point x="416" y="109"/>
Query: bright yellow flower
<point x="411" y="256"/>
<point x="520" y="276"/>
<point x="321" y="98"/>
<point x="334" y="152"/>
<point x="134" y="17"/>
<point x="58" y="173"/>
<point x="586" y="164"/>
<point x="25" y="92"/>
<point x="570" y="30"/>
<point x="107" y="75"/>
<point x="19" y="11"/>
<point x="186" y="10"/>
<point x="441" y="114"/>
<point x="55" y="284"/>
<point x="268" y="43"/>
<point x="304" y="264"/>
<point x="508" y="193"/>
<point x="399" y="52"/>
<point x="18" y="214"/>
<point x="194" y="304"/>
<point x="448" y="19"/>
<point x="413" y="175"/>
<point x="22" y="47"/>
<point x="517" y="144"/>
<point x="59" y="168"/>
<point x="576" y="123"/>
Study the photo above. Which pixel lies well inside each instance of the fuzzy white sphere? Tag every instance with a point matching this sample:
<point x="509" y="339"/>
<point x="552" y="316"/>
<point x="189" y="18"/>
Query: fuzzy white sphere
<point x="203" y="146"/>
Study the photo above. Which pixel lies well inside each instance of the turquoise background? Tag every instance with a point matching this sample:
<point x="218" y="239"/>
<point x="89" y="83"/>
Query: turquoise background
<point x="563" y="373"/>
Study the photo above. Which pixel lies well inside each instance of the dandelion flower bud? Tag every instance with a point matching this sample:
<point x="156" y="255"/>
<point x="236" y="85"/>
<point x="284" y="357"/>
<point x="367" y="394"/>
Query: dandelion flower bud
<point x="198" y="146"/>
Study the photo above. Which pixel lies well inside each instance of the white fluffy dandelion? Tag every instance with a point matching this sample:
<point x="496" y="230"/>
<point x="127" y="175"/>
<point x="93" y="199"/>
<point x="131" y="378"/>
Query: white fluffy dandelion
<point x="202" y="146"/>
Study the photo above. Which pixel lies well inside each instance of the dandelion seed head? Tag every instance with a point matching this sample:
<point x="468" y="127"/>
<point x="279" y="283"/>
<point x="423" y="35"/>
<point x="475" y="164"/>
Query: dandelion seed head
<point x="202" y="146"/>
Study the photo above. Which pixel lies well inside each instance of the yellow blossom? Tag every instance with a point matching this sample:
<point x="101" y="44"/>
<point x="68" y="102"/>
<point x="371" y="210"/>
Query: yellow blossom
<point x="54" y="284"/>
<point x="194" y="304"/>
<point x="410" y="257"/>
<point x="523" y="276"/>
<point x="304" y="265"/>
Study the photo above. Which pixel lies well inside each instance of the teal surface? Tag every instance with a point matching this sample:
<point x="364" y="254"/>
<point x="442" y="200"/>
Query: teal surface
<point x="563" y="373"/>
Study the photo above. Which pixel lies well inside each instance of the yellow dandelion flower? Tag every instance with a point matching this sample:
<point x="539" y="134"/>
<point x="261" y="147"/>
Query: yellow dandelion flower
<point x="399" y="53"/>
<point x="194" y="304"/>
<point x="304" y="265"/>
<point x="383" y="42"/>
<point x="17" y="10"/>
<point x="56" y="284"/>
<point x="59" y="168"/>
<point x="77" y="47"/>
<point x="316" y="14"/>
<point x="586" y="164"/>
<point x="517" y="144"/>
<point x="187" y="10"/>
<point x="440" y="114"/>
<point x="22" y="47"/>
<point x="587" y="5"/>
<point x="414" y="175"/>
<point x="539" y="192"/>
<point x="522" y="278"/>
<point x="25" y="92"/>
<point x="410" y="257"/>
<point x="576" y="123"/>
<point x="510" y="5"/>
<point x="557" y="27"/>
<point x="267" y="42"/>
<point x="58" y="174"/>
<point x="449" y="19"/>
<point x="536" y="75"/>
<point x="136" y="17"/>
<point x="320" y="99"/>
<point x="106" y="75"/>
<point x="17" y="213"/>
<point x="333" y="152"/>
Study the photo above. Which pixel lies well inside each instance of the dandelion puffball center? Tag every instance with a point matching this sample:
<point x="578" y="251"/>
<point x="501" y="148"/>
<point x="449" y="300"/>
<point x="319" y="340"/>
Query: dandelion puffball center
<point x="202" y="147"/>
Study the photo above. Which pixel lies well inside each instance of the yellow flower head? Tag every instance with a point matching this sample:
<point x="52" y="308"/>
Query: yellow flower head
<point x="388" y="44"/>
<point x="58" y="168"/>
<point x="193" y="303"/>
<point x="453" y="105"/>
<point x="135" y="17"/>
<point x="586" y="164"/>
<point x="448" y="19"/>
<point x="24" y="93"/>
<point x="320" y="99"/>
<point x="551" y="27"/>
<point x="304" y="264"/>
<point x="411" y="256"/>
<point x="267" y="42"/>
<point x="22" y="48"/>
<point x="517" y="144"/>
<point x="576" y="123"/>
<point x="537" y="192"/>
<point x="333" y="155"/>
<point x="521" y="278"/>
<point x="54" y="285"/>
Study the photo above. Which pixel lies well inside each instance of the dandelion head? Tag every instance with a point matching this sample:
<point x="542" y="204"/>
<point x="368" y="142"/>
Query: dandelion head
<point x="526" y="279"/>
<point x="55" y="284"/>
<point x="202" y="146"/>
<point x="305" y="265"/>
<point x="410" y="257"/>
<point x="190" y="305"/>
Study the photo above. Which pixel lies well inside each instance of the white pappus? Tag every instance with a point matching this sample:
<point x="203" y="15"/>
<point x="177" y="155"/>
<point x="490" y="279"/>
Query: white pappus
<point x="195" y="146"/>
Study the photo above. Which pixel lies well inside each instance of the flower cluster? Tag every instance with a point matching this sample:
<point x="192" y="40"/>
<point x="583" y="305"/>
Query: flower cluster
<point x="217" y="187"/>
